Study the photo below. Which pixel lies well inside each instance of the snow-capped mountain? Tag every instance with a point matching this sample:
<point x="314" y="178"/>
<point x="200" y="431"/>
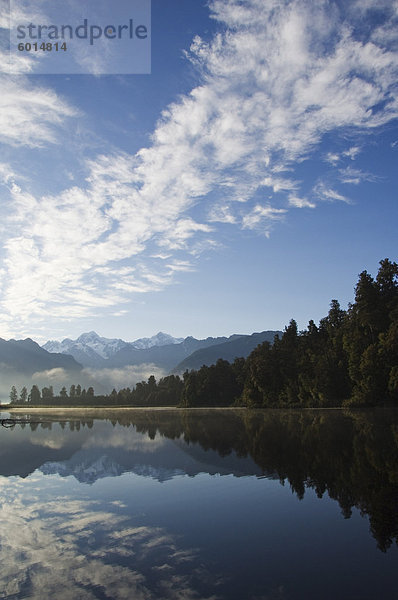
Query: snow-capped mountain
<point x="89" y="471"/>
<point x="105" y="347"/>
<point x="89" y="349"/>
<point x="160" y="339"/>
<point x="170" y="458"/>
<point x="92" y="350"/>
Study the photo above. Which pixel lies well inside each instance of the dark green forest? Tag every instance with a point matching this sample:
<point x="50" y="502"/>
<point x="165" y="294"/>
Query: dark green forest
<point x="349" y="359"/>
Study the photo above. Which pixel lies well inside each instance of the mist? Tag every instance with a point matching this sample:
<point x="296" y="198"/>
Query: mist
<point x="102" y="380"/>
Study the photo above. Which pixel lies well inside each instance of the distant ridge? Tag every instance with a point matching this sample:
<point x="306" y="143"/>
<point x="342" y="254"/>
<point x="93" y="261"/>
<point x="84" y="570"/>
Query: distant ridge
<point x="26" y="356"/>
<point x="165" y="357"/>
<point x="235" y="347"/>
<point x="161" y="350"/>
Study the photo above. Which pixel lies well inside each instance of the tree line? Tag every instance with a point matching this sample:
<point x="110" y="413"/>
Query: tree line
<point x="46" y="395"/>
<point x="349" y="359"/>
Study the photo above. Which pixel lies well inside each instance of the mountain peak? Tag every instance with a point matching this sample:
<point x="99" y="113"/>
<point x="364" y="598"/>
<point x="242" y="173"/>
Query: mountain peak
<point x="90" y="335"/>
<point x="160" y="339"/>
<point x="27" y="343"/>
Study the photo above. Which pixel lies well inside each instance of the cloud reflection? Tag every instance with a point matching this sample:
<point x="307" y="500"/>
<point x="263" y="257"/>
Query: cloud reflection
<point x="74" y="549"/>
<point x="128" y="439"/>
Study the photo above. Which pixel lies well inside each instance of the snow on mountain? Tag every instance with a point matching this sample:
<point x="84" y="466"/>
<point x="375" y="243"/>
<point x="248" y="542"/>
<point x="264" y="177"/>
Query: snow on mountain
<point x="160" y="339"/>
<point x="90" y="344"/>
<point x="92" y="350"/>
<point x="54" y="346"/>
<point x="89" y="471"/>
<point x="105" y="347"/>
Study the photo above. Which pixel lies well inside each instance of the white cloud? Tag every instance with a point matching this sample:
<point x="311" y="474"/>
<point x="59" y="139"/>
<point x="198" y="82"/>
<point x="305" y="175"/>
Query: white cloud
<point x="300" y="202"/>
<point x="355" y="176"/>
<point x="52" y="376"/>
<point x="12" y="13"/>
<point x="261" y="218"/>
<point x="352" y="152"/>
<point x="332" y="158"/>
<point x="30" y="115"/>
<point x="69" y="246"/>
<point x="279" y="184"/>
<point x="273" y="82"/>
<point x="7" y="174"/>
<point x="324" y="192"/>
<point x="124" y="376"/>
<point x="128" y="440"/>
<point x="221" y="214"/>
<point x="58" y="378"/>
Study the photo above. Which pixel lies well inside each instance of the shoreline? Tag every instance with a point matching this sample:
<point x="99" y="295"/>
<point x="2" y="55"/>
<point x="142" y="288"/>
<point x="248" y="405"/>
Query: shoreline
<point x="68" y="409"/>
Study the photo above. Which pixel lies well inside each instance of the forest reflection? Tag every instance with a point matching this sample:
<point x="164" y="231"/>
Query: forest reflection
<point x="351" y="456"/>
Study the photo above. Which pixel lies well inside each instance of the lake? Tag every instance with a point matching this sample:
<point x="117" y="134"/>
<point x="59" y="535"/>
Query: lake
<point x="209" y="504"/>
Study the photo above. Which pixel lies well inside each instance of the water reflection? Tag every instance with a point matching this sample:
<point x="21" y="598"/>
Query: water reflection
<point x="82" y="549"/>
<point x="352" y="456"/>
<point x="125" y="505"/>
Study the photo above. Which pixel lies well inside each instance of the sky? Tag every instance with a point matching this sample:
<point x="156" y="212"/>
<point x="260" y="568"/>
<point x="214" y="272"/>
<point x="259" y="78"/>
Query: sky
<point x="245" y="180"/>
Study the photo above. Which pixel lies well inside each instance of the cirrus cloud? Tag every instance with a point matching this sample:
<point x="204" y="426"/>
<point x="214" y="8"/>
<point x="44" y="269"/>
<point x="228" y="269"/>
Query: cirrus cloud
<point x="272" y="83"/>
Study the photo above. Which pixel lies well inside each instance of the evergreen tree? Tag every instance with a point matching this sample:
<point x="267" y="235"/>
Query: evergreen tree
<point x="23" y="396"/>
<point x="47" y="393"/>
<point x="34" y="396"/>
<point x="13" y="395"/>
<point x="370" y="336"/>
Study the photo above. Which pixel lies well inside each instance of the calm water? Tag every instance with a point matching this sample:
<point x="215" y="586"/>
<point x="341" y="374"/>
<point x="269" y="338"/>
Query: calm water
<point x="200" y="504"/>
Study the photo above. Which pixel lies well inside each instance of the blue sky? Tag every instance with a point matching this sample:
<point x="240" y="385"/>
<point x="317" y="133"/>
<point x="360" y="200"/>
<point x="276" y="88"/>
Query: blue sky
<point x="246" y="181"/>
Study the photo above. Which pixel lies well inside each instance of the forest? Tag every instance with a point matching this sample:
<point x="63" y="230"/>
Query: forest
<point x="349" y="359"/>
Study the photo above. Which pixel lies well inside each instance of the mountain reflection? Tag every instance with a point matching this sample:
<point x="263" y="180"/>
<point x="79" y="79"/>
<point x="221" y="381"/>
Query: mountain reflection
<point x="353" y="457"/>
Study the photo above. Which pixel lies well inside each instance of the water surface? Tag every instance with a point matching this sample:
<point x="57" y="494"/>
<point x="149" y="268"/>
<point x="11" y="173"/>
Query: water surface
<point x="200" y="504"/>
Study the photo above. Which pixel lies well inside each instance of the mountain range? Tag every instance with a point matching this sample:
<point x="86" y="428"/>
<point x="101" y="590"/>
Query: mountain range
<point x="92" y="350"/>
<point x="162" y="350"/>
<point x="173" y="458"/>
<point x="114" y="450"/>
<point x="109" y="360"/>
